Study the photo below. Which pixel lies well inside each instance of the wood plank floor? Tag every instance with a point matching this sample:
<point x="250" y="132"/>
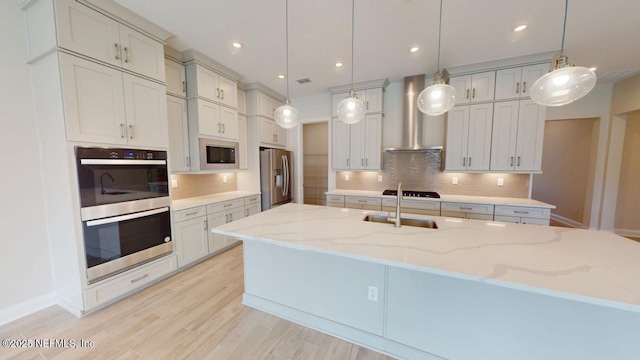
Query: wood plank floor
<point x="196" y="314"/>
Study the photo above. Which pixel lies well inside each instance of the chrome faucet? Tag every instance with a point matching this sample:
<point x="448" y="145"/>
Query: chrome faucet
<point x="398" y="202"/>
<point x="101" y="178"/>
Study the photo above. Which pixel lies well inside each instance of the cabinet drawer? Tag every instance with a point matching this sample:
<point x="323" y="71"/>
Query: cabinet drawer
<point x="335" y="200"/>
<point x="539" y="213"/>
<point x="188" y="214"/>
<point x="125" y="283"/>
<point x="224" y="206"/>
<point x="356" y="200"/>
<point x="509" y="219"/>
<point x="412" y="204"/>
<point x="534" y="221"/>
<point x="487" y="217"/>
<point x="468" y="208"/>
<point x="392" y="211"/>
<point x="255" y="199"/>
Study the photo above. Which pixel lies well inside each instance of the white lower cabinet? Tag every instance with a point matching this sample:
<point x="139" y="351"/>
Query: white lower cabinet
<point x="467" y="211"/>
<point x="522" y="215"/>
<point x="335" y="201"/>
<point x="363" y="203"/>
<point x="191" y="235"/>
<point x="232" y="210"/>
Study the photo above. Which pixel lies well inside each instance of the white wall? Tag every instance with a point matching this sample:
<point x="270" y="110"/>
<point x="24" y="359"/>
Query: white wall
<point x="25" y="266"/>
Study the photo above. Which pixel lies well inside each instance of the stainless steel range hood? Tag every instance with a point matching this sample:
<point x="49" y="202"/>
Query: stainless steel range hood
<point x="412" y="118"/>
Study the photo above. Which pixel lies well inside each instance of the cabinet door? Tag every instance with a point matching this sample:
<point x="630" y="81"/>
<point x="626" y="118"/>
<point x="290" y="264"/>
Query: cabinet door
<point x="178" y="134"/>
<point x="93" y="99"/>
<point x="505" y="129"/>
<point x="340" y="134"/>
<point x="228" y="92"/>
<point x="530" y="136"/>
<point x="242" y="141"/>
<point x="529" y="75"/>
<point x="373" y="100"/>
<point x="146" y="111"/>
<point x="462" y="84"/>
<point x="242" y="102"/>
<point x="85" y="31"/>
<point x="267" y="131"/>
<point x="192" y="242"/>
<point x="479" y="147"/>
<point x="208" y="118"/>
<point x="207" y="84"/>
<point x="217" y="241"/>
<point x="483" y="86"/>
<point x="373" y="142"/>
<point x="508" y="83"/>
<point x="141" y="54"/>
<point x="457" y="138"/>
<point x="280" y="135"/>
<point x="176" y="81"/>
<point x="252" y="209"/>
<point x="357" y="139"/>
<point x="266" y="106"/>
<point x="229" y="122"/>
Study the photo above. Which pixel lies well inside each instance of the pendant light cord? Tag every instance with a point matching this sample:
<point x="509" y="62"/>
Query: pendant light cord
<point x="286" y="15"/>
<point x="439" y="35"/>
<point x="353" y="16"/>
<point x="564" y="27"/>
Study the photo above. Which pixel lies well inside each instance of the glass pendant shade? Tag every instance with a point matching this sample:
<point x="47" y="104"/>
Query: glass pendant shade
<point x="437" y="98"/>
<point x="286" y="115"/>
<point x="351" y="110"/>
<point x="564" y="85"/>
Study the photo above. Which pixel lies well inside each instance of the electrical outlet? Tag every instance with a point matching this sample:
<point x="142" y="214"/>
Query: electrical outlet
<point x="454" y="180"/>
<point x="346" y="178"/>
<point x="224" y="179"/>
<point x="373" y="293"/>
<point x="174" y="183"/>
<point x="500" y="182"/>
<point x="379" y="178"/>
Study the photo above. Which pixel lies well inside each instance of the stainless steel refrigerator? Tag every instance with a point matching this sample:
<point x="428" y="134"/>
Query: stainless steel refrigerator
<point x="275" y="177"/>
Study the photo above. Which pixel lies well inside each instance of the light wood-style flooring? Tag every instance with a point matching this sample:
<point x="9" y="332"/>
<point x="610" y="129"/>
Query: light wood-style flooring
<point x="196" y="314"/>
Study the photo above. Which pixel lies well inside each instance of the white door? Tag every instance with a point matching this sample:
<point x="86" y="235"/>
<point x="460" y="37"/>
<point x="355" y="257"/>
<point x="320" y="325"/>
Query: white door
<point x="228" y="92"/>
<point x="373" y="142"/>
<point x="530" y="136"/>
<point x="86" y="31"/>
<point x="176" y="81"/>
<point x="508" y="83"/>
<point x="340" y="135"/>
<point x="192" y="241"/>
<point x="529" y="75"/>
<point x="209" y="118"/>
<point x="146" y="111"/>
<point x="141" y="54"/>
<point x="358" y="135"/>
<point x="242" y="141"/>
<point x="93" y="99"/>
<point x="479" y="147"/>
<point x="462" y="84"/>
<point x="457" y="138"/>
<point x="373" y="100"/>
<point x="229" y="121"/>
<point x="505" y="129"/>
<point x="178" y="134"/>
<point x="483" y="86"/>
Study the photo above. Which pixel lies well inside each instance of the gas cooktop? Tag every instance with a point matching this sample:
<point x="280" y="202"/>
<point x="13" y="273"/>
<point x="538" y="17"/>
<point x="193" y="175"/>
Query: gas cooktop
<point x="410" y="193"/>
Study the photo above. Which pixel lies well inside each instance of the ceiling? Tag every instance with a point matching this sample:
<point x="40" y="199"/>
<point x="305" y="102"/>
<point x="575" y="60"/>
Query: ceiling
<point x="600" y="33"/>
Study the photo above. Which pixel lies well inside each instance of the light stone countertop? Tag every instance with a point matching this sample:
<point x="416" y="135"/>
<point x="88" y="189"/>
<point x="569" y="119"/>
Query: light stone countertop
<point x="187" y="203"/>
<point x="584" y="265"/>
<point x="491" y="200"/>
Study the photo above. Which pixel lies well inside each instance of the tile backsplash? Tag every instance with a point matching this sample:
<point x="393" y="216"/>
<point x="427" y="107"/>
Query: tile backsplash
<point x="421" y="171"/>
<point x="191" y="185"/>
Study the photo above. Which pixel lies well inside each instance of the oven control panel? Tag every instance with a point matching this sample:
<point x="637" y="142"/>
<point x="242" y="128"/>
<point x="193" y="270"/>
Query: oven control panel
<point x="127" y="154"/>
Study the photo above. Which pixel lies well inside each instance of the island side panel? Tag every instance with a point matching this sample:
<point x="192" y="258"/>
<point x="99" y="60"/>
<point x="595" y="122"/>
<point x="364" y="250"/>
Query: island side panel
<point x="461" y="319"/>
<point x="327" y="286"/>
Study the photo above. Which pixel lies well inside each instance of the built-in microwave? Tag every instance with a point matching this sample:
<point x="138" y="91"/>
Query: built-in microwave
<point x="218" y="155"/>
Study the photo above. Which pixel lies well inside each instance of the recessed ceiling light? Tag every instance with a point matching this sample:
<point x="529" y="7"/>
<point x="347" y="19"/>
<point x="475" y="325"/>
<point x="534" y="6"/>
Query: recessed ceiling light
<point x="280" y="76"/>
<point x="338" y="64"/>
<point x="593" y="68"/>
<point x="414" y="49"/>
<point x="520" y="28"/>
<point x="237" y="45"/>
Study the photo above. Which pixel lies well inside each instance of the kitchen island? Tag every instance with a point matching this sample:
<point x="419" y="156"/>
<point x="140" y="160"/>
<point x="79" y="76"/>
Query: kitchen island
<point x="467" y="290"/>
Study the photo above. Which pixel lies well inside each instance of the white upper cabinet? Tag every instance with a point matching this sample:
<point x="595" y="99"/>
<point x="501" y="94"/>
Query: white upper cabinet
<point x="518" y="130"/>
<point x="474" y="88"/>
<point x="469" y="138"/>
<point x="267" y="106"/>
<point x="176" y="78"/>
<point x="242" y="143"/>
<point x="146" y="111"/>
<point x="340" y="140"/>
<point x="515" y="83"/>
<point x="178" y="134"/>
<point x="271" y="133"/>
<point x="204" y="83"/>
<point x="372" y="99"/>
<point x="90" y="33"/>
<point x="357" y="146"/>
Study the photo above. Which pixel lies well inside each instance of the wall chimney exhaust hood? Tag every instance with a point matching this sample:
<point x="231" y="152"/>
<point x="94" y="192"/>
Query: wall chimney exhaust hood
<point x="412" y="119"/>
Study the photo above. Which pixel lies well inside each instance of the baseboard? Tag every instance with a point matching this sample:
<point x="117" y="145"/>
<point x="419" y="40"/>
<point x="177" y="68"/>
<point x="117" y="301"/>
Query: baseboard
<point x="25" y="308"/>
<point x="627" y="232"/>
<point x="568" y="222"/>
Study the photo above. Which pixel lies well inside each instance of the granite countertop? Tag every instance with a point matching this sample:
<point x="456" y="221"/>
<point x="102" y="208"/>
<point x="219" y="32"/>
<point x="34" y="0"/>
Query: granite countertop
<point x="187" y="203"/>
<point x="491" y="200"/>
<point x="583" y="265"/>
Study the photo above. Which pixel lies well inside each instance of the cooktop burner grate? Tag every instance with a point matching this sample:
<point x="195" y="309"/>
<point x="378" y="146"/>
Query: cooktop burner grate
<point x="411" y="193"/>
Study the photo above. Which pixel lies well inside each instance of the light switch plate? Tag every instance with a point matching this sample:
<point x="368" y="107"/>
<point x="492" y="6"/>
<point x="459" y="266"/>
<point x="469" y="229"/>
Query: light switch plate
<point x="454" y="180"/>
<point x="224" y="179"/>
<point x="174" y="183"/>
<point x="500" y="182"/>
<point x="346" y="178"/>
<point x="379" y="178"/>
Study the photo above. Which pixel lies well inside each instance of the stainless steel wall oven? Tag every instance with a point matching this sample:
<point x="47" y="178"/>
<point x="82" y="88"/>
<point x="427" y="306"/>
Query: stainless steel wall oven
<point x="125" y="208"/>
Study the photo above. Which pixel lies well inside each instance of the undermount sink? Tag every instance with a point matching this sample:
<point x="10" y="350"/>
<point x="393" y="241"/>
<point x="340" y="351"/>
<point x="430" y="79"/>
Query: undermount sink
<point x="425" y="223"/>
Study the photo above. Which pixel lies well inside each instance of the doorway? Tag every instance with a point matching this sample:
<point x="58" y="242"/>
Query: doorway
<point x="315" y="150"/>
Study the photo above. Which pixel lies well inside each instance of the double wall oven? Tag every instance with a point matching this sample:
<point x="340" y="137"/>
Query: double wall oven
<point x="125" y="208"/>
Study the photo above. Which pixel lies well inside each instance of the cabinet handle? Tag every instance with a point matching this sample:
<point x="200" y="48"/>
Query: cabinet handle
<point x="230" y="217"/>
<point x="223" y="128"/>
<point x="521" y="212"/>
<point x="226" y="205"/>
<point x="205" y="225"/>
<point x="226" y="218"/>
<point x="517" y="88"/>
<point x="367" y="104"/>
<point x="362" y="201"/>
<point x="219" y="128"/>
<point x="469" y="160"/>
<point x="191" y="213"/>
<point x="467" y="93"/>
<point x="122" y="130"/>
<point x="464" y="161"/>
<point x="187" y="161"/>
<point x="140" y="278"/>
<point x="276" y="137"/>
<point x="184" y="86"/>
<point x="126" y="54"/>
<point x="524" y="87"/>
<point x="511" y="163"/>
<point x="218" y="90"/>
<point x="518" y="161"/>
<point x="361" y="162"/>
<point x="131" y="133"/>
<point x="246" y="212"/>
<point x="366" y="162"/>
<point x="222" y="92"/>
<point x="347" y="162"/>
<point x="465" y="208"/>
<point x="474" y="93"/>
<point x="117" y="51"/>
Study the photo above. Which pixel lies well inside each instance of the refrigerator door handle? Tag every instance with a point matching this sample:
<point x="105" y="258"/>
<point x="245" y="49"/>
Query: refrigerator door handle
<point x="288" y="175"/>
<point x="283" y="162"/>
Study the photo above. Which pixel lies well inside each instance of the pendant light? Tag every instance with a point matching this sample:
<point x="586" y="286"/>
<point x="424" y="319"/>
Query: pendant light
<point x="286" y="115"/>
<point x="439" y="97"/>
<point x="351" y="110"/>
<point x="565" y="83"/>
